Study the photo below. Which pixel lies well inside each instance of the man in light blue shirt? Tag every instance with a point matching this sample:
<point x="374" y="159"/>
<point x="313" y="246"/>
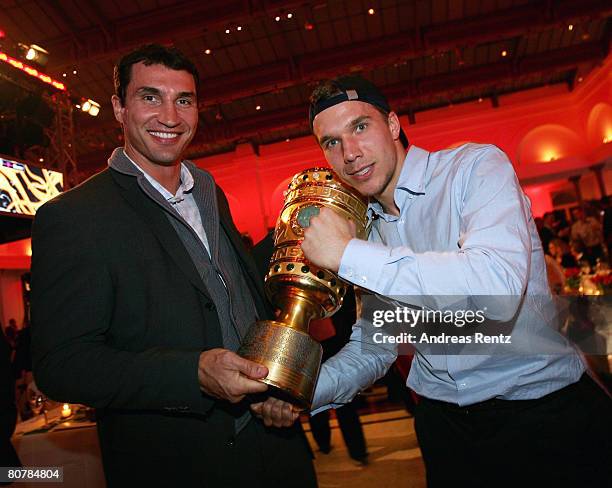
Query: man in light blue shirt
<point x="452" y="227"/>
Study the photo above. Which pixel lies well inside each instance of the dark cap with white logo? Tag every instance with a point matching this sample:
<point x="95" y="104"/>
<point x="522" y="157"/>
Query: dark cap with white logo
<point x="353" y="88"/>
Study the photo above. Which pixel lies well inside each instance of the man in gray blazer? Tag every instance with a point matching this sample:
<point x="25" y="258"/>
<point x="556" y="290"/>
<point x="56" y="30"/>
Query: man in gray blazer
<point x="141" y="293"/>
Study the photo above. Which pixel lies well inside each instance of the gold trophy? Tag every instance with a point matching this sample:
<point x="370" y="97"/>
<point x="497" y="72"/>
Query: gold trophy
<point x="301" y="291"/>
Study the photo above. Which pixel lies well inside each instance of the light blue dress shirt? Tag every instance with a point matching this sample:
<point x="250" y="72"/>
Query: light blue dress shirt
<point x="465" y="229"/>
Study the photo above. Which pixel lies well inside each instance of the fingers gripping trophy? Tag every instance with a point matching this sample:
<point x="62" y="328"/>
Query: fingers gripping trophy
<point x="301" y="291"/>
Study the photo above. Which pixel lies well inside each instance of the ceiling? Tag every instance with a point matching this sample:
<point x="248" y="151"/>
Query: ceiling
<point x="422" y="53"/>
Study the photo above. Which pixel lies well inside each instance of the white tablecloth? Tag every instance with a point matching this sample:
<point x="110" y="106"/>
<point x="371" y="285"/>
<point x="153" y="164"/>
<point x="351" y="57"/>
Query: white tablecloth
<point x="72" y="445"/>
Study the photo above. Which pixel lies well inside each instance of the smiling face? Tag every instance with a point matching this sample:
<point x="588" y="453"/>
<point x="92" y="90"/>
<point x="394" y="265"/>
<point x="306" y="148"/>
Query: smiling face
<point x="159" y="116"/>
<point x="362" y="146"/>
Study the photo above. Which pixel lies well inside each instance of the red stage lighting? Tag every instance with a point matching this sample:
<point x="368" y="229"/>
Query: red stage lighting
<point x="15" y="63"/>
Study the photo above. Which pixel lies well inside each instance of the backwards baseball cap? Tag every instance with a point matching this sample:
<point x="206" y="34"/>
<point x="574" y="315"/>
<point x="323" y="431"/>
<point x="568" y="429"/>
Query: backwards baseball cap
<point x="352" y="88"/>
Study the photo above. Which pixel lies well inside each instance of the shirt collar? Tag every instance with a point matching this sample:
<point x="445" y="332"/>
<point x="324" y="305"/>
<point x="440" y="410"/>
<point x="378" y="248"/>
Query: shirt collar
<point x="412" y="176"/>
<point x="186" y="184"/>
<point x="411" y="181"/>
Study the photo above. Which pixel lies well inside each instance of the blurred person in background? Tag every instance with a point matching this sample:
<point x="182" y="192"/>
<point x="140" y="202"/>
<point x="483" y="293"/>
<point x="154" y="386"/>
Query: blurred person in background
<point x="560" y="250"/>
<point x="588" y="231"/>
<point x="340" y="325"/>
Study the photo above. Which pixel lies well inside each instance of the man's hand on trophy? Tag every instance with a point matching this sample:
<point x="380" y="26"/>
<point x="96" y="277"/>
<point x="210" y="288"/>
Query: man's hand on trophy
<point x="326" y="238"/>
<point x="225" y="375"/>
<point x="275" y="412"/>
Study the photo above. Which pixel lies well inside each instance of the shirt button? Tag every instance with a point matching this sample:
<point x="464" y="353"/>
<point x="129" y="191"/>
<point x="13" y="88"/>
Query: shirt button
<point x="401" y="221"/>
<point x="364" y="279"/>
<point x="349" y="273"/>
<point x="231" y="442"/>
<point x="462" y="385"/>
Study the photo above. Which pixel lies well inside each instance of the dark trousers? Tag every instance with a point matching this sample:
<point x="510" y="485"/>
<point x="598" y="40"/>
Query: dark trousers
<point x="268" y="457"/>
<point x="350" y="426"/>
<point x="258" y="457"/>
<point x="561" y="440"/>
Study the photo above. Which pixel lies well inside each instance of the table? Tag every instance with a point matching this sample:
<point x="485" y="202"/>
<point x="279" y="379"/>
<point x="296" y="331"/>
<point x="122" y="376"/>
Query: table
<point x="71" y="444"/>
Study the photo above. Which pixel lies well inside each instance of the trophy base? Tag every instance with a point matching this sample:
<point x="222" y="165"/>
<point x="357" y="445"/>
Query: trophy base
<point x="292" y="357"/>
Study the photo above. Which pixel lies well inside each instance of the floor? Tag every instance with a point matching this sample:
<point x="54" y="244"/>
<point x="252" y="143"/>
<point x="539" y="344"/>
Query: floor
<point x="394" y="461"/>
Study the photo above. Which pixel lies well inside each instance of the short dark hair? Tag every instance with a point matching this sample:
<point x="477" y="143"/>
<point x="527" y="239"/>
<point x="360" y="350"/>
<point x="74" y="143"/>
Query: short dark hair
<point x="351" y="87"/>
<point x="150" y="54"/>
